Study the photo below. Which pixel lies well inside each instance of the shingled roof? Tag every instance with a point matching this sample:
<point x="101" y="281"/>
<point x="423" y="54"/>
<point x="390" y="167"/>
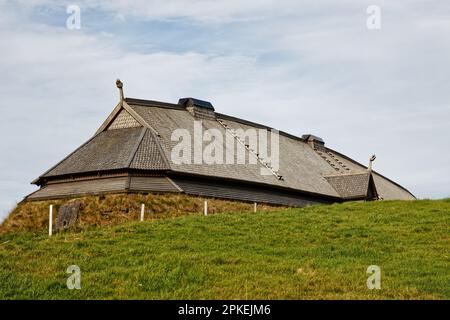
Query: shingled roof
<point x="137" y="136"/>
<point x="134" y="148"/>
<point x="350" y="186"/>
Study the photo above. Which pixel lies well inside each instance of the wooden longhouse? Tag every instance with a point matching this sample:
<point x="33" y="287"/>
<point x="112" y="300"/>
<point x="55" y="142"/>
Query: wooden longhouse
<point x="131" y="153"/>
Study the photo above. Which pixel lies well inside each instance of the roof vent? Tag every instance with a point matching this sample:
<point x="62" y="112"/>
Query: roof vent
<point x="315" y="142"/>
<point x="198" y="108"/>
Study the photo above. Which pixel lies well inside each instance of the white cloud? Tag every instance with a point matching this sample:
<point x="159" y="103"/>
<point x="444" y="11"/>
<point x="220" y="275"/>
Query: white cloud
<point x="203" y="11"/>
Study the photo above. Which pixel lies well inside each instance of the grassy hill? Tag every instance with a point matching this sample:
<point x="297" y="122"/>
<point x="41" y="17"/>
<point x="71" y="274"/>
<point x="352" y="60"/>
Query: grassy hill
<point x="112" y="209"/>
<point x="317" y="252"/>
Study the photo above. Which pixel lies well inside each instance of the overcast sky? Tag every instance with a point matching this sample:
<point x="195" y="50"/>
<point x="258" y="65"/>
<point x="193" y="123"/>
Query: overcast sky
<point x="299" y="66"/>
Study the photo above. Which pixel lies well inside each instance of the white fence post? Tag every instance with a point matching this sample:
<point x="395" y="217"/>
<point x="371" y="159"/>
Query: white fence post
<point x="142" y="212"/>
<point x="50" y="221"/>
<point x="254" y="207"/>
<point x="205" y="209"/>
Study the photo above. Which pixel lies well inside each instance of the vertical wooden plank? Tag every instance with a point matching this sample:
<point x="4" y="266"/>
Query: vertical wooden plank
<point x="205" y="209"/>
<point x="254" y="207"/>
<point x="50" y="221"/>
<point x="142" y="212"/>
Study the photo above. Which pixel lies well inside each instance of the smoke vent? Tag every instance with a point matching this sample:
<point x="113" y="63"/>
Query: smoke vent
<point x="198" y="108"/>
<point x="315" y="142"/>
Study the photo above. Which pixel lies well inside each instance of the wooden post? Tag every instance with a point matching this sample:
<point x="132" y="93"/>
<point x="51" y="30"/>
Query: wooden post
<point x="254" y="207"/>
<point x="205" y="209"/>
<point x="142" y="212"/>
<point x="50" y="221"/>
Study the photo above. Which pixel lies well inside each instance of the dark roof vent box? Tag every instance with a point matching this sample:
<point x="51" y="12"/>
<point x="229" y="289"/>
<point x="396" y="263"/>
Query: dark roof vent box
<point x="311" y="137"/>
<point x="314" y="141"/>
<point x="198" y="108"/>
<point x="192" y="102"/>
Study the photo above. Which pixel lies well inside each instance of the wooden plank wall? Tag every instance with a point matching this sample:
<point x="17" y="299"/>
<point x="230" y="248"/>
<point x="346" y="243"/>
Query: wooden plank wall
<point x="152" y="184"/>
<point x="228" y="190"/>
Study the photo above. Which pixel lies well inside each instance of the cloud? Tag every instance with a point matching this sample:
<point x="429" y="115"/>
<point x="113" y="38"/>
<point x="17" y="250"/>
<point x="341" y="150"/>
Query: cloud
<point x="202" y="11"/>
<point x="303" y="67"/>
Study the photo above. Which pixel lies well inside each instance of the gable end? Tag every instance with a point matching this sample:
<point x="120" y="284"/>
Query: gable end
<point x="123" y="120"/>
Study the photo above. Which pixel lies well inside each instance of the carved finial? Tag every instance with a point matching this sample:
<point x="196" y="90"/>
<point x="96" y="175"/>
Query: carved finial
<point x="371" y="159"/>
<point x="119" y="85"/>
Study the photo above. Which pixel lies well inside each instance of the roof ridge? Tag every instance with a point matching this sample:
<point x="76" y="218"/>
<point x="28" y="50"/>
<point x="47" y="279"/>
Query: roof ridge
<point x="161" y="150"/>
<point x="345" y="174"/>
<point x="153" y="103"/>
<point x="255" y="124"/>
<point x="136" y="147"/>
<point x="138" y="118"/>
<point x="160" y="104"/>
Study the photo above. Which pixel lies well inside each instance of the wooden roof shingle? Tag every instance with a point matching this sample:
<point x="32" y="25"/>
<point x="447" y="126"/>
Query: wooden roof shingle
<point x="137" y="135"/>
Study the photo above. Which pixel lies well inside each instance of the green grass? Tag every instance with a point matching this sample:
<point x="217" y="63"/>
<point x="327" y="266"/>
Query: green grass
<point x="320" y="252"/>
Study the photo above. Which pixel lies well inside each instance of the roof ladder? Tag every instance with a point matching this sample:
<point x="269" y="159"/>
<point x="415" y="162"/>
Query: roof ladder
<point x="251" y="151"/>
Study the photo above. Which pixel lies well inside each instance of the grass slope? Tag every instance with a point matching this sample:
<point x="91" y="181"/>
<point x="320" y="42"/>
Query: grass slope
<point x="111" y="209"/>
<point x="317" y="252"/>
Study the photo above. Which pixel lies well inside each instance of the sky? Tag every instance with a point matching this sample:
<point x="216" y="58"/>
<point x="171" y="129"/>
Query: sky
<point x="298" y="66"/>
